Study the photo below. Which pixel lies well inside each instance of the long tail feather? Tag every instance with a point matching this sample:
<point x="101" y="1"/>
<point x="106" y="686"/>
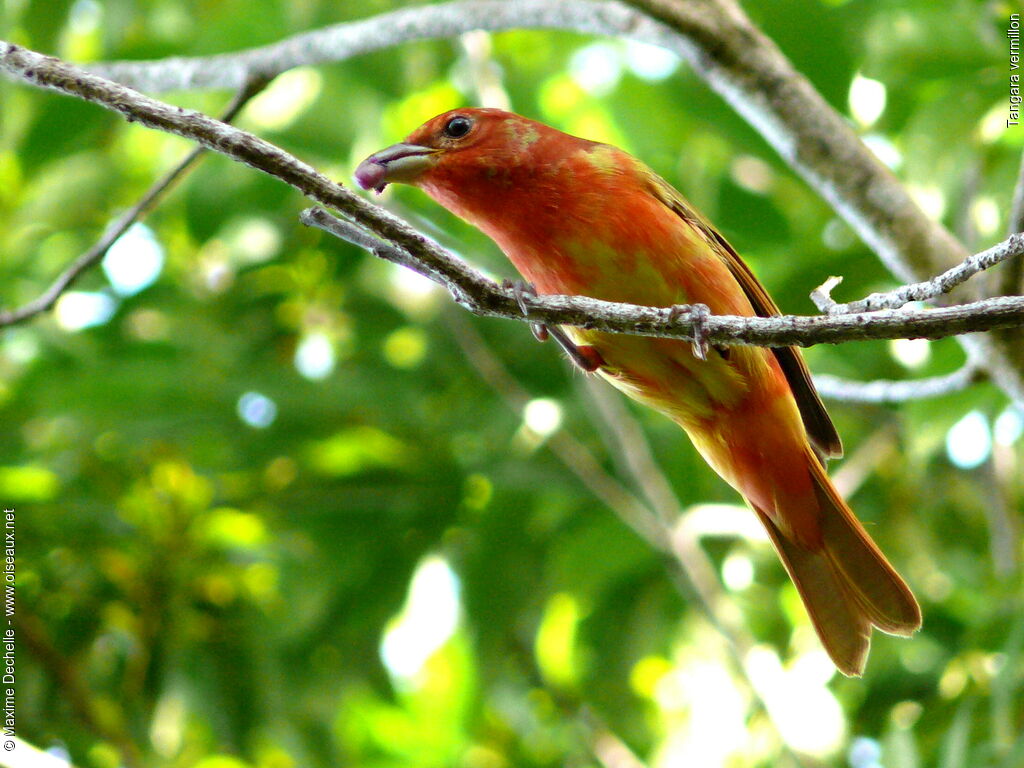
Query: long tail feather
<point x="847" y="585"/>
<point x="883" y="595"/>
<point x="839" y="621"/>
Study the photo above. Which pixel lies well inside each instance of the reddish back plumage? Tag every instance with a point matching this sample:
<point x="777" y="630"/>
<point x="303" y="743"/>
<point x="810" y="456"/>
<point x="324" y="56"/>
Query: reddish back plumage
<point x="580" y="217"/>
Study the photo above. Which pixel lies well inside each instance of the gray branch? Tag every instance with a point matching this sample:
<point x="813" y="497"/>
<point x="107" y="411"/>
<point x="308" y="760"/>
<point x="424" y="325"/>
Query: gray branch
<point x="484" y="297"/>
<point x="750" y="72"/>
<point x="928" y="289"/>
<point x="718" y="40"/>
<point x="367" y="223"/>
<point x="342" y="41"/>
<point x="51" y="73"/>
<point x="883" y="391"/>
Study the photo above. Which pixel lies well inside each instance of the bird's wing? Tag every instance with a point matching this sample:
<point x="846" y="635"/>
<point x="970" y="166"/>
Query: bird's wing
<point x="817" y="422"/>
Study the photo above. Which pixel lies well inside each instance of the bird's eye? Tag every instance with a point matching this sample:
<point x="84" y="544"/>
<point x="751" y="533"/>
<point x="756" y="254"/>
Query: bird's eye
<point x="457" y="127"/>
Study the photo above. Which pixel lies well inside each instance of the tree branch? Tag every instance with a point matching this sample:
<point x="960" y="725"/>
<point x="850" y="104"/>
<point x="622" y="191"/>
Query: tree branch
<point x="401" y="243"/>
<point x="927" y="289"/>
<point x="884" y="391"/>
<point x="715" y="36"/>
<point x="45" y="301"/>
<point x="54" y="74"/>
<point x="485" y="297"/>
<point x="750" y="72"/>
<point x="343" y="41"/>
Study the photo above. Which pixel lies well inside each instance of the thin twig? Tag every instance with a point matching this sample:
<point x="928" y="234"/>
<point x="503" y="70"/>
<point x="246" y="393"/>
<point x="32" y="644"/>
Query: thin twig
<point x="626" y="444"/>
<point x="54" y="74"/>
<point x="927" y="289"/>
<point x="749" y="71"/>
<point x="343" y="41"/>
<point x="570" y="451"/>
<point x="45" y="301"/>
<point x="1003" y="537"/>
<point x="1005" y="517"/>
<point x="889" y="391"/>
<point x="630" y="446"/>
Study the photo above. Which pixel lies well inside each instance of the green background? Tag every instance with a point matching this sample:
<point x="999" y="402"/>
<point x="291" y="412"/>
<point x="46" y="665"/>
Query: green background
<point x="217" y="593"/>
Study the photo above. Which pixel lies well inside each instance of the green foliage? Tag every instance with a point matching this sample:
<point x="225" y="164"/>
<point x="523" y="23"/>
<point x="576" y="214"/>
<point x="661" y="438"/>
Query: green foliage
<point x="219" y="592"/>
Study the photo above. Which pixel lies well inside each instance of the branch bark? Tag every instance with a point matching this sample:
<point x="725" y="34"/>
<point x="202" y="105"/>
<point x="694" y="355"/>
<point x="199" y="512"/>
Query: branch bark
<point x="750" y="72"/>
<point x="715" y="36"/>
<point x="377" y="230"/>
<point x="485" y="297"/>
<point x="1010" y="248"/>
<point x="53" y="74"/>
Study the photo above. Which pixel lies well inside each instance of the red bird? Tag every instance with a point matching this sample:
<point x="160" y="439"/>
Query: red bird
<point x="579" y="217"/>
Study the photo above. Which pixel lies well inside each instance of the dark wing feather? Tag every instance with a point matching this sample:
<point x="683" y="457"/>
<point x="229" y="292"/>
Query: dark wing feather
<point x="817" y="422"/>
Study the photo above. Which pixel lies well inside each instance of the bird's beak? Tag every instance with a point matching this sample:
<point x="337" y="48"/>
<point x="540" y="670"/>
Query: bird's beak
<point x="399" y="162"/>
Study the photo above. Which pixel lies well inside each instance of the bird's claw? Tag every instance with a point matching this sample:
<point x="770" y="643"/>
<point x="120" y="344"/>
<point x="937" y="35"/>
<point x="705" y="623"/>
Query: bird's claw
<point x="585" y="358"/>
<point x="521" y="289"/>
<point x="699" y="314"/>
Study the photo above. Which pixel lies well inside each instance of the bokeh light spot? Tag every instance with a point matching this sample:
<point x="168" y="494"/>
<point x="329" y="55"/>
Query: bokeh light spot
<point x="650" y="62"/>
<point x="969" y="441"/>
<point x="737" y="572"/>
<point x="911" y="353"/>
<point x="867" y="99"/>
<point x="596" y="68"/>
<point x="134" y="261"/>
<point x="406" y="347"/>
<point x="426" y="622"/>
<point x="78" y="310"/>
<point x="285" y="99"/>
<point x="257" y="410"/>
<point x="543" y="416"/>
<point x="314" y="356"/>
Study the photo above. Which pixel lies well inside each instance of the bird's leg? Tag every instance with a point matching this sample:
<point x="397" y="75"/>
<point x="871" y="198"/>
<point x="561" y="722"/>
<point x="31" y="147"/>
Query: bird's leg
<point x="584" y="357"/>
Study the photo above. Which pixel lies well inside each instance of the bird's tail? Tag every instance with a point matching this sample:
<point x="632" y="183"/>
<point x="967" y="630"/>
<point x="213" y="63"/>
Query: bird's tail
<point x="847" y="585"/>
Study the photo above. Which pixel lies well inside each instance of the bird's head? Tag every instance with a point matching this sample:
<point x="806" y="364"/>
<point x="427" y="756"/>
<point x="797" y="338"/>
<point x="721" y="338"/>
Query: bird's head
<point x="461" y="142"/>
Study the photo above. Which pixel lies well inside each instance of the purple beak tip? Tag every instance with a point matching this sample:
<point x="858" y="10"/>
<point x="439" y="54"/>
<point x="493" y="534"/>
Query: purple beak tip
<point x="370" y="175"/>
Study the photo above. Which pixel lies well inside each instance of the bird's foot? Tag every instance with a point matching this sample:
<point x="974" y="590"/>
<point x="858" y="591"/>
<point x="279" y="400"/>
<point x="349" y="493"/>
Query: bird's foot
<point x="521" y="289"/>
<point x="584" y="357"/>
<point x="699" y="314"/>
